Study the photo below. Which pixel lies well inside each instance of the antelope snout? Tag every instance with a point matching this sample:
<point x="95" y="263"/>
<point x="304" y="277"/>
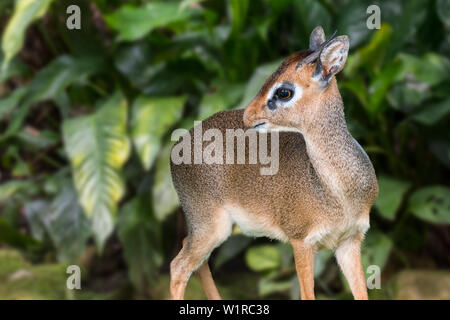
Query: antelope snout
<point x="252" y="116"/>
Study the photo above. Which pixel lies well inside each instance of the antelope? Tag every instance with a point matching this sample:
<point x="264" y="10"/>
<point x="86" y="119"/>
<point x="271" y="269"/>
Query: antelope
<point x="319" y="198"/>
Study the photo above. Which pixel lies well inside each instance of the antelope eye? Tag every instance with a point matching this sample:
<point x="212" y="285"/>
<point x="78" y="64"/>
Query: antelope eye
<point x="284" y="94"/>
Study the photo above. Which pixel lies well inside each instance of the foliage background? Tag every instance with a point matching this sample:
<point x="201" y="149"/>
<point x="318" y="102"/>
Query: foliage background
<point x="86" y="117"/>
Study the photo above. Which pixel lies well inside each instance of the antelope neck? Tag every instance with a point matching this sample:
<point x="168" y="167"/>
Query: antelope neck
<point x="333" y="152"/>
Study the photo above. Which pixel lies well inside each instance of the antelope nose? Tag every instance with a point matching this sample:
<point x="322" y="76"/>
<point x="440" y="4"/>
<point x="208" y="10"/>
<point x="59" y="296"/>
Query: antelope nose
<point x="249" y="117"/>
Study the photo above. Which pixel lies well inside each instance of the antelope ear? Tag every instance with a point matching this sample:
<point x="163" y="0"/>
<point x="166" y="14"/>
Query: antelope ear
<point x="332" y="59"/>
<point x="317" y="38"/>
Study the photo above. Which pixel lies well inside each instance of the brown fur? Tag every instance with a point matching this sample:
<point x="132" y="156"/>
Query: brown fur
<point x="303" y="201"/>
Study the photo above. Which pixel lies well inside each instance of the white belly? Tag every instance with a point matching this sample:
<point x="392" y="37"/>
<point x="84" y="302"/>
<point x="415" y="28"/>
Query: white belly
<point x="331" y="236"/>
<point x="253" y="225"/>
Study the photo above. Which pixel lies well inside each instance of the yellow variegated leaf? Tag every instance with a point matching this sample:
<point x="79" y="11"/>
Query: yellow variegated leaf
<point x="98" y="147"/>
<point x="151" y="118"/>
<point x="25" y="12"/>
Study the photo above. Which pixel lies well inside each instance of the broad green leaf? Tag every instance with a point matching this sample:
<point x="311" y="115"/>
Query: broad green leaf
<point x="219" y="101"/>
<point x="372" y="54"/>
<point x="135" y="63"/>
<point x="63" y="220"/>
<point x="279" y="5"/>
<point x="133" y="23"/>
<point x="405" y="20"/>
<point x="25" y="12"/>
<point x="140" y="234"/>
<point x="257" y="80"/>
<point x="432" y="113"/>
<point x="98" y="146"/>
<point x="431" y="68"/>
<point x="151" y="118"/>
<point x="9" y="103"/>
<point x="268" y="285"/>
<point x="238" y="10"/>
<point x="407" y="95"/>
<point x="390" y="196"/>
<point x="375" y="249"/>
<point x="431" y="204"/>
<point x="351" y="21"/>
<point x="16" y="188"/>
<point x="15" y="67"/>
<point x="358" y="88"/>
<point x="35" y="139"/>
<point x="35" y="211"/>
<point x="50" y="82"/>
<point x="60" y="73"/>
<point x="263" y="257"/>
<point x="310" y="14"/>
<point x="443" y="11"/>
<point x="165" y="198"/>
<point x="391" y="73"/>
<point x="230" y="249"/>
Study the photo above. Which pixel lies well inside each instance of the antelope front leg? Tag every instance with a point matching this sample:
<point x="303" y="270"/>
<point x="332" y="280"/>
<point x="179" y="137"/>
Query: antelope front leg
<point x="348" y="255"/>
<point x="304" y="264"/>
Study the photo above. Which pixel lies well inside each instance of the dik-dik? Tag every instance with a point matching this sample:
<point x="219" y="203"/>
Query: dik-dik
<point x="319" y="198"/>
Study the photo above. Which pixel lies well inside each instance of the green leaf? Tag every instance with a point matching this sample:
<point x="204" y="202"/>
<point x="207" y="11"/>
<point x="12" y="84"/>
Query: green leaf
<point x="165" y="197"/>
<point x="98" y="146"/>
<point x="358" y="88"/>
<point x="263" y="257"/>
<point x="140" y="235"/>
<point x="151" y="118"/>
<point x="391" y="73"/>
<point x="257" y="80"/>
<point x="230" y="249"/>
<point x="50" y="82"/>
<point x="238" y="10"/>
<point x="406" y="19"/>
<point x="375" y="249"/>
<point x="36" y="140"/>
<point x="443" y="11"/>
<point x="35" y="211"/>
<point x="133" y="23"/>
<point x="63" y="220"/>
<point x="351" y="21"/>
<point x="60" y="73"/>
<point x="268" y="285"/>
<point x="9" y="103"/>
<point x="212" y="103"/>
<point x="431" y="204"/>
<point x="432" y="113"/>
<point x="310" y="14"/>
<point x="14" y="68"/>
<point x="371" y="55"/>
<point x="25" y="12"/>
<point x="13" y="188"/>
<point x="390" y="196"/>
<point x="431" y="68"/>
<point x="135" y="63"/>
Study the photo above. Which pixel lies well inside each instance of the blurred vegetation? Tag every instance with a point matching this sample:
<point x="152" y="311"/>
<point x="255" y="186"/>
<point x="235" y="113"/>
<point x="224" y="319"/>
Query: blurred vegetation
<point x="86" y="117"/>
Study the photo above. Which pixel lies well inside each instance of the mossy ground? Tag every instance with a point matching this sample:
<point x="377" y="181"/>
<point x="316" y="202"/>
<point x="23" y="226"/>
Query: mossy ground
<point x="21" y="280"/>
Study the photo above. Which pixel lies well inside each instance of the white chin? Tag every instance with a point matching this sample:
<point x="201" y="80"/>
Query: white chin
<point x="262" y="128"/>
<point x="283" y="129"/>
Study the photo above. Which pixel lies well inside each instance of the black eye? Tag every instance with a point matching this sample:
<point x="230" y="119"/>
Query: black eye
<point x="284" y="94"/>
